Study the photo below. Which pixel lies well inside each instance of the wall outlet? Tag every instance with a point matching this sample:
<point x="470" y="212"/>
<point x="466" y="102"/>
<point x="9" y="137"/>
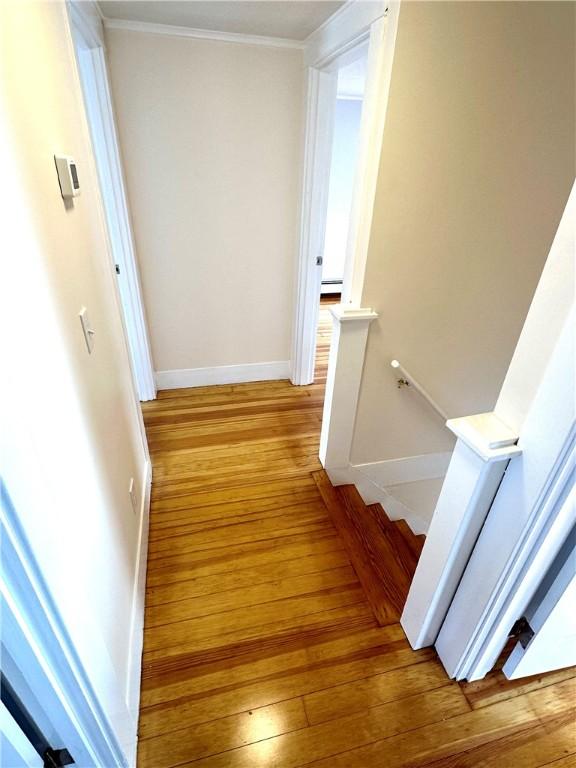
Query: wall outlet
<point x="132" y="492"/>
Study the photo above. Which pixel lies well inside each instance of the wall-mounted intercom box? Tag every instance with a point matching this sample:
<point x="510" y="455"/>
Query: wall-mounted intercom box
<point x="67" y="176"/>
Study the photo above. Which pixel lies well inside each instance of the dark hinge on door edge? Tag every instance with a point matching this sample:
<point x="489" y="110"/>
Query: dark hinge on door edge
<point x="53" y="758"/>
<point x="522" y="631"/>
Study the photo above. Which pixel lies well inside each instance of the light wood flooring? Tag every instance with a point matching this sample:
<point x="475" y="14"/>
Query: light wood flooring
<point x="261" y="648"/>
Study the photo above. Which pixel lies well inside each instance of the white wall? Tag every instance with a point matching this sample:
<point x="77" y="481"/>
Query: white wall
<point x="211" y="139"/>
<point x="342" y="169"/>
<point x="476" y="166"/>
<point x="71" y="428"/>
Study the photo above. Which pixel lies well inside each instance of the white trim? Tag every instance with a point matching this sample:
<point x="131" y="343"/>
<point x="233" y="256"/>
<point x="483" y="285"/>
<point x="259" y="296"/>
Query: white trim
<point x="40" y="648"/>
<point x="537" y="399"/>
<point x="375" y="105"/>
<point x="87" y="18"/>
<point x="17" y="749"/>
<point x="222" y="374"/>
<point x="345" y="364"/>
<point x="345" y="31"/>
<point x="486" y="435"/>
<point x="136" y="641"/>
<point x="378" y="481"/>
<point x="528" y="515"/>
<point x="411" y="469"/>
<point x="202" y="34"/>
<point x="321" y="98"/>
<point x="100" y="114"/>
<point x="464" y="501"/>
<point x="348" y="26"/>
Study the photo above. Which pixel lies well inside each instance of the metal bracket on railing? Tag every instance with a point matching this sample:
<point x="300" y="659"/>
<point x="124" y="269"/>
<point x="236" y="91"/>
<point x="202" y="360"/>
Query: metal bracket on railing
<point x="406" y="380"/>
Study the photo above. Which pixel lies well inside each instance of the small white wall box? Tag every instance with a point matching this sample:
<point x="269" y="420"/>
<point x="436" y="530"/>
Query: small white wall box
<point x="67" y="176"/>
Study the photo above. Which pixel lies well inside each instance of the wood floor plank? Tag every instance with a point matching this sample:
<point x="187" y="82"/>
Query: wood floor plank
<point x="564" y="762"/>
<point x="260" y="646"/>
<point x="239" y="624"/>
<point x="340" y="700"/>
<point x="226" y="559"/>
<point x="495" y="687"/>
<point x="244" y="578"/>
<point x="462" y="733"/>
<point x="328" y="739"/>
<point x="318" y="657"/>
<point x="249" y="596"/>
<point x="193" y="709"/>
<point x="538" y="746"/>
<point x="177" y="747"/>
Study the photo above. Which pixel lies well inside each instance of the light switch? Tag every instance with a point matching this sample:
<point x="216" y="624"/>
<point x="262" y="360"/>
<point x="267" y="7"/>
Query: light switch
<point x="87" y="329"/>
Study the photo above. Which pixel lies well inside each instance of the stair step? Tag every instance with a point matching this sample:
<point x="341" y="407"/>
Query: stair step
<point x="405" y="554"/>
<point x="384" y="578"/>
<point x="414" y="541"/>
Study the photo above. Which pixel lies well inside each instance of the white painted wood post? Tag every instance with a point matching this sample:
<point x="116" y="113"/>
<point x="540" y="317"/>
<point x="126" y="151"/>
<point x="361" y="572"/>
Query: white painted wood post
<point x="349" y="335"/>
<point x="484" y="447"/>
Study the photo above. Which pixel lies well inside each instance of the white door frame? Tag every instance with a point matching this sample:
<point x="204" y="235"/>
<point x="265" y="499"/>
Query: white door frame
<point x="88" y="32"/>
<point x="353" y="25"/>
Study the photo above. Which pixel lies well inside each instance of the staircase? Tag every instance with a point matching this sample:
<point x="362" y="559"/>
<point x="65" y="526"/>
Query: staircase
<point x="384" y="554"/>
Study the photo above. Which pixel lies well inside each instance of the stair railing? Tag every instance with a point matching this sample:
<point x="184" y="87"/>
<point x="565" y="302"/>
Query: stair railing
<point x="406" y="379"/>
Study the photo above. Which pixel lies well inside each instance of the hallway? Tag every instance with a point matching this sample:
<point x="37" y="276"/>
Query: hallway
<point x="260" y="646"/>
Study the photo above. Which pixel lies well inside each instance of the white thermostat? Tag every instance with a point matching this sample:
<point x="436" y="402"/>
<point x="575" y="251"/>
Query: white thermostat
<point x="67" y="176"/>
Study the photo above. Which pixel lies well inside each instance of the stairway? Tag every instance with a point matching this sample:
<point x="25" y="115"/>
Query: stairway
<point x="384" y="553"/>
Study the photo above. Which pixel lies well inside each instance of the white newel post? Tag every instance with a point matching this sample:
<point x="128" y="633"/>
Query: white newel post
<point x="349" y="335"/>
<point x="484" y="447"/>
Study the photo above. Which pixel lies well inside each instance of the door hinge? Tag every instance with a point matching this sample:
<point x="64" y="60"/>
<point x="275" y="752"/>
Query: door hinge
<point x="56" y="758"/>
<point x="522" y="631"/>
<point x="117" y="268"/>
<point x="319" y="261"/>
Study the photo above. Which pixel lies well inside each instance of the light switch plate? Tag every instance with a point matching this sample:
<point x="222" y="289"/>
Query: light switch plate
<point x="87" y="329"/>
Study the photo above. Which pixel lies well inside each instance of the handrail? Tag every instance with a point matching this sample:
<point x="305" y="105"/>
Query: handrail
<point x="407" y="380"/>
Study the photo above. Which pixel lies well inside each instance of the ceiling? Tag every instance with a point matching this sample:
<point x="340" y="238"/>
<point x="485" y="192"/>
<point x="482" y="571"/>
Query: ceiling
<point x="293" y="19"/>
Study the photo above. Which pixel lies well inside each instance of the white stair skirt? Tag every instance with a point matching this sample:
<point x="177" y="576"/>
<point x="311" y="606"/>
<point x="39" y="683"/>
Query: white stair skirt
<point x="484" y="447"/>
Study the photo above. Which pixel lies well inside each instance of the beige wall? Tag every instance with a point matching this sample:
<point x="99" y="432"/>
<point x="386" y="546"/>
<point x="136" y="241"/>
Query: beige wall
<point x="476" y="168"/>
<point x="210" y="135"/>
<point x="70" y="433"/>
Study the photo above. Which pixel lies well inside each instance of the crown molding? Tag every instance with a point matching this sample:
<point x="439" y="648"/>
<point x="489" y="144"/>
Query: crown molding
<point x="202" y="34"/>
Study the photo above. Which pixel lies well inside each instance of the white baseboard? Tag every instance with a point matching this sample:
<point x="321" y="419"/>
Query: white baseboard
<point x="407" y="488"/>
<point x="406" y="470"/>
<point x="137" y="618"/>
<point x="222" y="374"/>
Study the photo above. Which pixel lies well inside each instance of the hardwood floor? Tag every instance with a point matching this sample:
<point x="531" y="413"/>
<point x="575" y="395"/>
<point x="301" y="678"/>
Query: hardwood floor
<point x="261" y="648"/>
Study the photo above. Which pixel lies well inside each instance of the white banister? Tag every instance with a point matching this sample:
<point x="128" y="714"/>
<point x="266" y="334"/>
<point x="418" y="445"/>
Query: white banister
<point x="484" y="447"/>
<point x="407" y="380"/>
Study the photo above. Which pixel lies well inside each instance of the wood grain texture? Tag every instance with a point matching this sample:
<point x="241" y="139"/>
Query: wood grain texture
<point x="383" y="554"/>
<point x="261" y="647"/>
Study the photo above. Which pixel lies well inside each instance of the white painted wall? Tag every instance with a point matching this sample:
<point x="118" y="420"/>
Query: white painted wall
<point x="211" y="139"/>
<point x="71" y="428"/>
<point x="345" y="138"/>
<point x="477" y="162"/>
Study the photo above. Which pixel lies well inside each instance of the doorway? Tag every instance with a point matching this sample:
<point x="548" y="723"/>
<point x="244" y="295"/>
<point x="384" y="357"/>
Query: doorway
<point x="353" y="62"/>
<point x="90" y="58"/>
<point x="343" y="164"/>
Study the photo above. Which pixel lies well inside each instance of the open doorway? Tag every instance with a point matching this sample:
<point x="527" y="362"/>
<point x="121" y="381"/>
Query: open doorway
<point x="347" y="116"/>
<point x="343" y="164"/>
<point x="348" y="82"/>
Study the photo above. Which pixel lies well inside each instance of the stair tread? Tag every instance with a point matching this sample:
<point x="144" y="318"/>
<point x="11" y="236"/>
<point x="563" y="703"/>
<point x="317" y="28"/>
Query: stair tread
<point x="377" y="531"/>
<point x="372" y="554"/>
<point x="405" y="554"/>
<point x="414" y="541"/>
